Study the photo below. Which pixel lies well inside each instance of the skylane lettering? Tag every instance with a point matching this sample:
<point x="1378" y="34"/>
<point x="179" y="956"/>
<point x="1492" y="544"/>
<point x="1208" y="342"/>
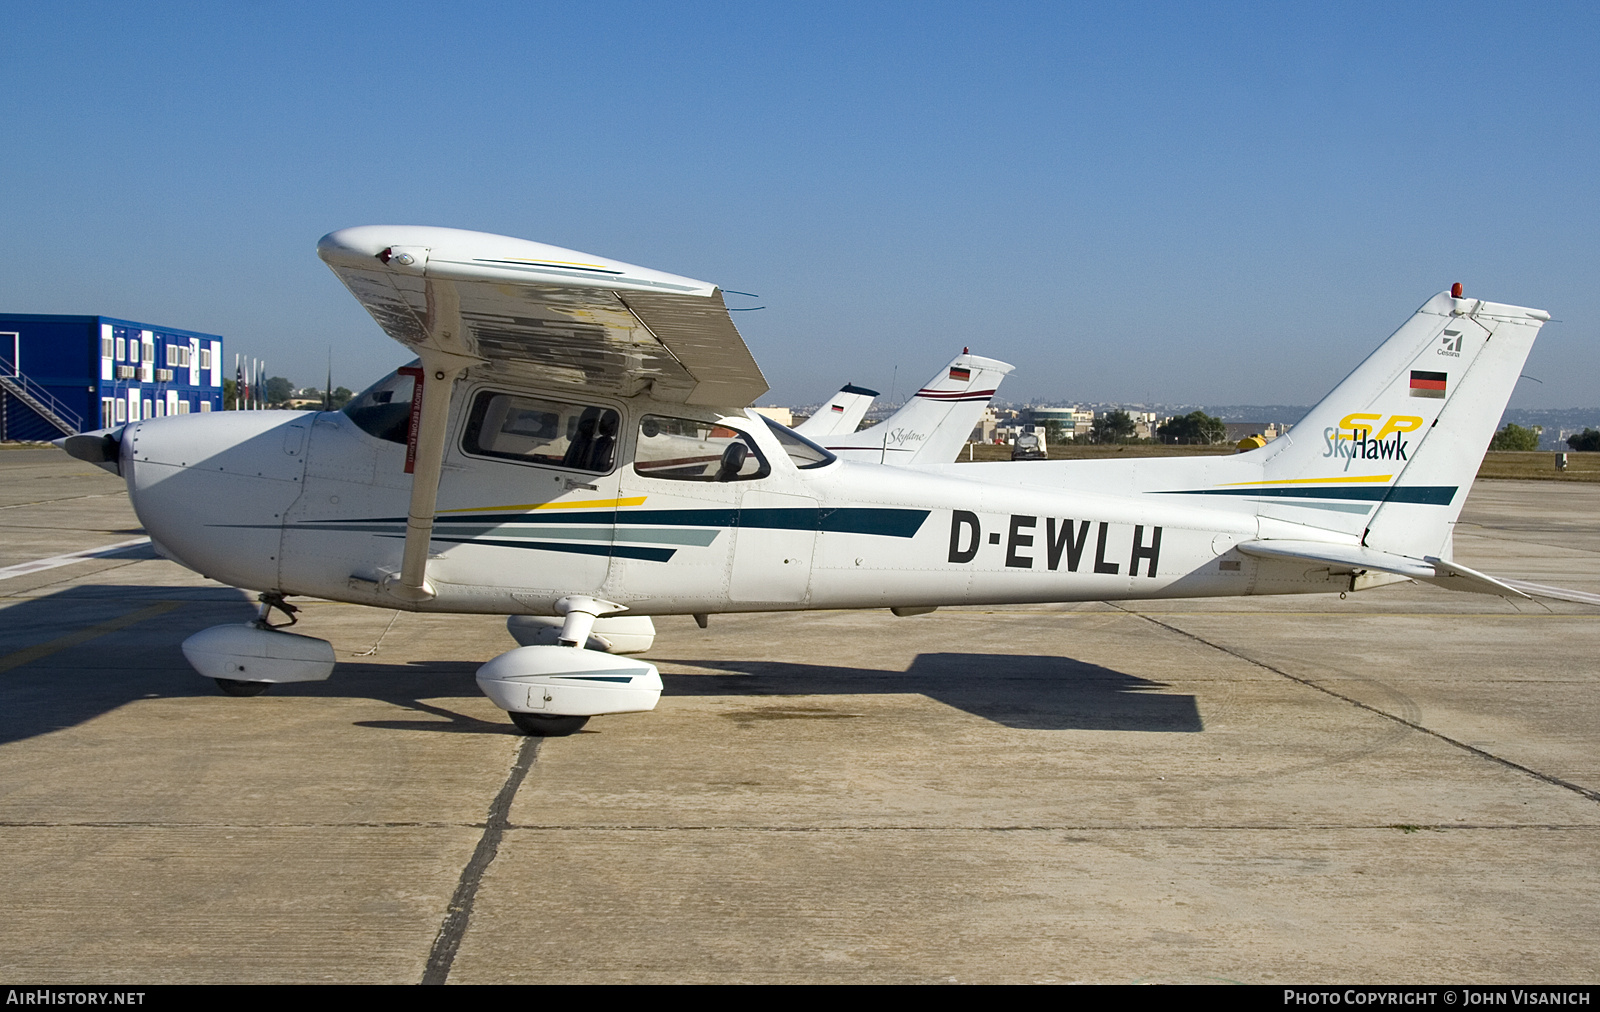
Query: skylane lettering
<point x="1031" y="544"/>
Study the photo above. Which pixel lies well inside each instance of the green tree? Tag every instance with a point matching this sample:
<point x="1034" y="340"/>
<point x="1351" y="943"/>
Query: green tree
<point x="1112" y="427"/>
<point x="1515" y="437"/>
<point x="1588" y="440"/>
<point x="1196" y="428"/>
<point x="230" y="395"/>
<point x="341" y="397"/>
<point x="278" y="390"/>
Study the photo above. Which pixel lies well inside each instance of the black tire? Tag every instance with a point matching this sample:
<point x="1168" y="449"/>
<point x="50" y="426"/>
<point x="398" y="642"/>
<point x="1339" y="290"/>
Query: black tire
<point x="234" y="687"/>
<point x="543" y="726"/>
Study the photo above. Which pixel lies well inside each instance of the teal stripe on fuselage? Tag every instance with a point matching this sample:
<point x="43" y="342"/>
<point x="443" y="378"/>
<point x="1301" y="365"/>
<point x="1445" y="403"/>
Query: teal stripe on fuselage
<point x="884" y="522"/>
<point x="1427" y="495"/>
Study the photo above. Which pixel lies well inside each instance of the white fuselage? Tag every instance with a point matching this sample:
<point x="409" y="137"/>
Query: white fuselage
<point x="310" y="504"/>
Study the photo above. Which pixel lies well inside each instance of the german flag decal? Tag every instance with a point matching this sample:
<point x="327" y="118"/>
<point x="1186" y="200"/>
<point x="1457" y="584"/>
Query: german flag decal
<point x="1427" y="384"/>
<point x="960" y="374"/>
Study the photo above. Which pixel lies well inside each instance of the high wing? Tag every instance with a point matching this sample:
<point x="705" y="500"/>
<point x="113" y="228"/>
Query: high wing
<point x="547" y="314"/>
<point x="536" y="313"/>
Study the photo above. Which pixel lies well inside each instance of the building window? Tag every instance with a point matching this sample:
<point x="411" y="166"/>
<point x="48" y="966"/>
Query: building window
<point x="205" y="359"/>
<point x="205" y="407"/>
<point x="107" y="347"/>
<point x="122" y="348"/>
<point x="122" y="411"/>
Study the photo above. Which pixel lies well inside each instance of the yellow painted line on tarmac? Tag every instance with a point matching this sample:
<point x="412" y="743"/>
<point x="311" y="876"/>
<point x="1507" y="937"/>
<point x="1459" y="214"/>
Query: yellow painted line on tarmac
<point x="40" y="651"/>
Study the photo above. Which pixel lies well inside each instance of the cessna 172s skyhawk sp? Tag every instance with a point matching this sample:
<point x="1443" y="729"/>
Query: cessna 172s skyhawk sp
<point x="573" y="449"/>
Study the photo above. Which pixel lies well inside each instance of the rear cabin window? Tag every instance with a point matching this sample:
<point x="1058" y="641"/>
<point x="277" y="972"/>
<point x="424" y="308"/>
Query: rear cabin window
<point x="536" y="431"/>
<point x="683" y="449"/>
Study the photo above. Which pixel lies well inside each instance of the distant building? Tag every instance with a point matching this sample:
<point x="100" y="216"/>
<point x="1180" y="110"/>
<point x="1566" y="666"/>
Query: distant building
<point x="1068" y="423"/>
<point x="66" y="374"/>
<point x="985" y="430"/>
<point x="783" y="416"/>
<point x="1145" y="424"/>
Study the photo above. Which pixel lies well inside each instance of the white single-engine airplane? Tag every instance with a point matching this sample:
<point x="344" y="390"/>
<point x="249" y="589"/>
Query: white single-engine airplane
<point x="573" y="449"/>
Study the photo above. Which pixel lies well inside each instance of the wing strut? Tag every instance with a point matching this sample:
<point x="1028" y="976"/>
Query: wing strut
<point x="439" y="372"/>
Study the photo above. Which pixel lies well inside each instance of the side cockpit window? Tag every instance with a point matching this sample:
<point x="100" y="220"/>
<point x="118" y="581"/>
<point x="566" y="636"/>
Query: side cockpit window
<point x="683" y="449"/>
<point x="537" y="431"/>
<point x="384" y="409"/>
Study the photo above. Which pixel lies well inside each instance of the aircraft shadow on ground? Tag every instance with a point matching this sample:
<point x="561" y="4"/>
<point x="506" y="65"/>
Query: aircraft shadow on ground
<point x="1022" y="691"/>
<point x="86" y="679"/>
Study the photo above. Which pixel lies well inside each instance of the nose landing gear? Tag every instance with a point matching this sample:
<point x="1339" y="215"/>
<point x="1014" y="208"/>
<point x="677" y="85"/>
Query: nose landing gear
<point x="247" y="660"/>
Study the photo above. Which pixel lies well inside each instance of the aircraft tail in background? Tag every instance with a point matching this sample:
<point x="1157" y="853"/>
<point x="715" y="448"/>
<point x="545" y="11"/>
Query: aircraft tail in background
<point x="841" y="415"/>
<point x="935" y="422"/>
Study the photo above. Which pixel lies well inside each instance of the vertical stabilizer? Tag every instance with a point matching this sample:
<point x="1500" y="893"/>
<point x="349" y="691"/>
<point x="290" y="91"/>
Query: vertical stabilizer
<point x="1391" y="453"/>
<point x="935" y="422"/>
<point x="841" y="415"/>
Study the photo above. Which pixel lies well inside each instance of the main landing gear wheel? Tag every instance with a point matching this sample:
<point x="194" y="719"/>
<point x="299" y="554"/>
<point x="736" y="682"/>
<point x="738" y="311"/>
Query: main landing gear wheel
<point x="544" y="726"/>
<point x="234" y="687"/>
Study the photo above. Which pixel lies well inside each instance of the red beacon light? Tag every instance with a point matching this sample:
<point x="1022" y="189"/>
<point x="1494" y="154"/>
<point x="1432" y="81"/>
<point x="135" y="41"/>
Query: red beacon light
<point x="1455" y="290"/>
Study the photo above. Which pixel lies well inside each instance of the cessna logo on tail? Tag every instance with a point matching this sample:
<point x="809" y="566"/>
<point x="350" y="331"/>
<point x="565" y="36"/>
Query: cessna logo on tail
<point x="1353" y="439"/>
<point x="1451" y="344"/>
<point x="1059" y="541"/>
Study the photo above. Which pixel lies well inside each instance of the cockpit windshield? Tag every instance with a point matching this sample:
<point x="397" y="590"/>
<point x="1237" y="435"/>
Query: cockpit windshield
<point x="801" y="450"/>
<point x="384" y="409"/>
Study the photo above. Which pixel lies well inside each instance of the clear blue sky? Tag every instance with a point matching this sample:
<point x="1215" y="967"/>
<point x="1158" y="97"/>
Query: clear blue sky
<point x="1187" y="203"/>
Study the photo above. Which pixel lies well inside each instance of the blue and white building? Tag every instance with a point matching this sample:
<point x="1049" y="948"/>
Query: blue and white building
<point x="66" y="374"/>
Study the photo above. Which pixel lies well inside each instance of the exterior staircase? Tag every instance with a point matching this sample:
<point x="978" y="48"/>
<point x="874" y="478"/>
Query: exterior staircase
<point x="39" y="400"/>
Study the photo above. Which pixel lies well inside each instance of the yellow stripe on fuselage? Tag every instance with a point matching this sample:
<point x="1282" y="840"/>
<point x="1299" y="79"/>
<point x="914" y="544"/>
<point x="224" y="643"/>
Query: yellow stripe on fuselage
<point x="1341" y="479"/>
<point x="587" y="504"/>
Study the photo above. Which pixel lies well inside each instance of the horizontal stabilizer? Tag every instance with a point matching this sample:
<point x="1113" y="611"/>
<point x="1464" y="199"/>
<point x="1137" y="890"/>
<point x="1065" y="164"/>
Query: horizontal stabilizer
<point x="1554" y="593"/>
<point x="1449" y="575"/>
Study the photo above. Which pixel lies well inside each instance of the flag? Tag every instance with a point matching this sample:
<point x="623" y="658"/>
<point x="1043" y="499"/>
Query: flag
<point x="1427" y="384"/>
<point x="960" y="374"/>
